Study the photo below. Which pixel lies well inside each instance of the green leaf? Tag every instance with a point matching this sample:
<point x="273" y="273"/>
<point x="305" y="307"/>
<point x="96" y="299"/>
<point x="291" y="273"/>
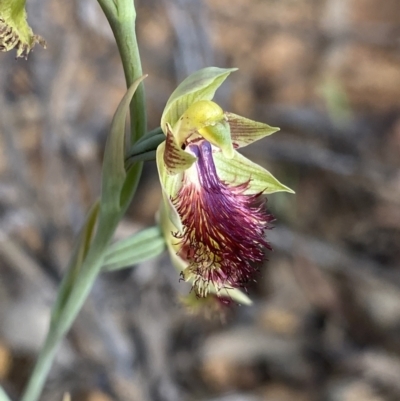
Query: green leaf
<point x="137" y="248"/>
<point x="239" y="170"/>
<point x="245" y="131"/>
<point x="201" y="85"/>
<point x="77" y="258"/>
<point x="130" y="184"/>
<point x="114" y="157"/>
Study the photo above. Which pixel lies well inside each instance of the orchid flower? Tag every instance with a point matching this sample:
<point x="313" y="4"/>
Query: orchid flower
<point x="214" y="216"/>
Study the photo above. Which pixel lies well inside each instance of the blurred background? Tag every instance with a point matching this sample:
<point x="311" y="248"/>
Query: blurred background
<point x="325" y="323"/>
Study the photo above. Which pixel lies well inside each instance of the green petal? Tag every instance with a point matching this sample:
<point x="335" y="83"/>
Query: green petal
<point x="239" y="169"/>
<point x="170" y="185"/>
<point x="245" y="131"/>
<point x="175" y="159"/>
<point x="201" y="85"/>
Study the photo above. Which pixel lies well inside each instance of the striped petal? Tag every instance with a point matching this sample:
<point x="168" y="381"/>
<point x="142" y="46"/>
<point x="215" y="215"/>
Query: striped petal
<point x="239" y="169"/>
<point x="245" y="131"/>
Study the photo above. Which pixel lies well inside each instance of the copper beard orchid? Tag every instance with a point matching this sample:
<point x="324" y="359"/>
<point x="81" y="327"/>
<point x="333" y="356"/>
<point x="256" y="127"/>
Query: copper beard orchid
<point x="215" y="216"/>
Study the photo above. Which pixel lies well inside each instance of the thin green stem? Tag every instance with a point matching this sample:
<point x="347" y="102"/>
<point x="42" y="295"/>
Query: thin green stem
<point x="146" y="145"/>
<point x="142" y="157"/>
<point x="59" y="327"/>
<point x="121" y="15"/>
<point x="108" y="6"/>
<point x="123" y="26"/>
<point x="150" y="134"/>
<point x="42" y="367"/>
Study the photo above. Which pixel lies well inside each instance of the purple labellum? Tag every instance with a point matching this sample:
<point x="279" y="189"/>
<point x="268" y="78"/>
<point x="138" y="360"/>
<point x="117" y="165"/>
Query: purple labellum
<point x="223" y="236"/>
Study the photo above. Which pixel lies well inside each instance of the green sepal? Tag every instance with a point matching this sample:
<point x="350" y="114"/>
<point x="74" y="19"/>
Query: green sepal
<point x="239" y="170"/>
<point x="137" y="248"/>
<point x="114" y="174"/>
<point x="201" y="85"/>
<point x="245" y="131"/>
<point x="171" y="162"/>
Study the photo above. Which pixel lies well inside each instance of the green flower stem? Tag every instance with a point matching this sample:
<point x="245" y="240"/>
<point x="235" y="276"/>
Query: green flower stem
<point x="121" y="15"/>
<point x="122" y="23"/>
<point x="144" y="146"/>
<point x="150" y="134"/>
<point x="142" y="157"/>
<point x="42" y="367"/>
<point x="109" y="7"/>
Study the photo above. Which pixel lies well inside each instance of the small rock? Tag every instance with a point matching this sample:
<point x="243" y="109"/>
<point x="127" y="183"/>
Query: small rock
<point x="356" y="390"/>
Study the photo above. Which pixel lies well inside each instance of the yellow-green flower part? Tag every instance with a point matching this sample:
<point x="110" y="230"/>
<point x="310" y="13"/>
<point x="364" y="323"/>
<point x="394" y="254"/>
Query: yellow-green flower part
<point x="15" y="33"/>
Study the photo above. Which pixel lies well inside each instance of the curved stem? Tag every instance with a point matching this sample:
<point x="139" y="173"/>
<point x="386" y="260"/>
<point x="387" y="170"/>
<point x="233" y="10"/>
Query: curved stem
<point x="150" y="134"/>
<point x="123" y="26"/>
<point x="145" y="146"/>
<point x="121" y="15"/>
<point x="142" y="157"/>
<point x="42" y="367"/>
<point x="109" y="7"/>
<point x="62" y="323"/>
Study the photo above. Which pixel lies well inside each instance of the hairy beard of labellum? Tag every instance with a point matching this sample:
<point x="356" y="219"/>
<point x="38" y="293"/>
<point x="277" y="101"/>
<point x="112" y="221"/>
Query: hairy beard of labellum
<point x="223" y="235"/>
